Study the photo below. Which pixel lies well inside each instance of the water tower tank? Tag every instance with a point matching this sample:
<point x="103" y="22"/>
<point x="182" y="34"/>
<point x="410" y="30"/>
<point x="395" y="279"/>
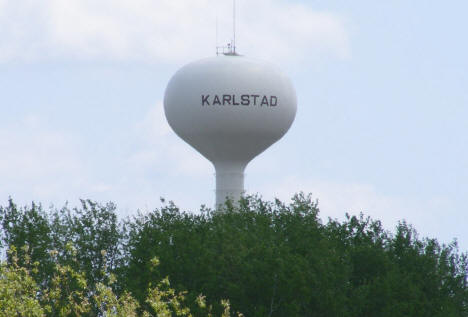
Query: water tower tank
<point x="230" y="109"/>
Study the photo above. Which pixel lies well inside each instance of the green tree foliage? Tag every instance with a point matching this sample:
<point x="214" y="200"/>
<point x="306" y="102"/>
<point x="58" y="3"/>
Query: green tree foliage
<point x="18" y="290"/>
<point x="93" y="230"/>
<point x="68" y="294"/>
<point x="400" y="275"/>
<point x="276" y="259"/>
<point x="31" y="227"/>
<point x="268" y="258"/>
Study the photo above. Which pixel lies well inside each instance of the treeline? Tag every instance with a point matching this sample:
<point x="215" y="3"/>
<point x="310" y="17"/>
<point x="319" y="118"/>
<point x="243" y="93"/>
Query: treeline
<point x="267" y="258"/>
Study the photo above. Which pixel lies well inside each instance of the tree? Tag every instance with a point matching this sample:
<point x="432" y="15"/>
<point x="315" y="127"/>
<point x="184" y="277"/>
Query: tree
<point x="93" y="230"/>
<point x="268" y="258"/>
<point x="28" y="226"/>
<point x="68" y="294"/>
<point x="276" y="259"/>
<point x="18" y="290"/>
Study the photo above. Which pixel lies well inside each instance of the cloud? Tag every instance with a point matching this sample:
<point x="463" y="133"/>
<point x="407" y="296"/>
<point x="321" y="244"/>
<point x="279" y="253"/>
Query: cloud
<point x="282" y="30"/>
<point x="164" y="30"/>
<point x="38" y="161"/>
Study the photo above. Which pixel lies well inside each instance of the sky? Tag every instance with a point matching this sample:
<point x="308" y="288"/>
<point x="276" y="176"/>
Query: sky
<point x="381" y="126"/>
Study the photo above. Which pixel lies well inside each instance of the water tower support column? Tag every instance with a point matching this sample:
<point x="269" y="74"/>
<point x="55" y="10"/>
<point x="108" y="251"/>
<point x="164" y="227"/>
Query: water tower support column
<point x="229" y="182"/>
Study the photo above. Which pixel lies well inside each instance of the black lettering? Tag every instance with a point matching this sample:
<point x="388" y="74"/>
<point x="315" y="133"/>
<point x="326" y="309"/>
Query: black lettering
<point x="273" y="101"/>
<point x="255" y="99"/>
<point x="204" y="100"/>
<point x="234" y="100"/>
<point x="226" y="99"/>
<point x="245" y="100"/>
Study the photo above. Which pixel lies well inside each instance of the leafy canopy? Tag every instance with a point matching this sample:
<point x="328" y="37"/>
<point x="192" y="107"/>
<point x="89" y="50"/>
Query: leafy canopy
<point x="268" y="258"/>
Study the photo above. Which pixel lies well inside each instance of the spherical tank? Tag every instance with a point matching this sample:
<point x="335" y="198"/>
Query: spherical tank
<point x="230" y="109"/>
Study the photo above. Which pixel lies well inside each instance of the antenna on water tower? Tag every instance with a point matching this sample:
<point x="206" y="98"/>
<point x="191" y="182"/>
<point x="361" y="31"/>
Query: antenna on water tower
<point x="217" y="53"/>
<point x="230" y="48"/>
<point x="234" y="26"/>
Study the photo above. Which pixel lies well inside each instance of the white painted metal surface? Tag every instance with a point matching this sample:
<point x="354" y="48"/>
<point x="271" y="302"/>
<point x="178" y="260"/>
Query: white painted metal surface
<point x="230" y="109"/>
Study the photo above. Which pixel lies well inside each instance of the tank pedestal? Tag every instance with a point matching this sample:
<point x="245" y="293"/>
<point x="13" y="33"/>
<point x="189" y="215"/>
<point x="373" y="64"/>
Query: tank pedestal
<point x="229" y="182"/>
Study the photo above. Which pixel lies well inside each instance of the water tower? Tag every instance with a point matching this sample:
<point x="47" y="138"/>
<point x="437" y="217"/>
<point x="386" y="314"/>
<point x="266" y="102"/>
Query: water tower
<point x="230" y="108"/>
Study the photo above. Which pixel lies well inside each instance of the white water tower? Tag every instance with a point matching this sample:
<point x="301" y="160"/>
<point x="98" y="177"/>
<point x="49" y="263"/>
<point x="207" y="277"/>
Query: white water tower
<point x="230" y="109"/>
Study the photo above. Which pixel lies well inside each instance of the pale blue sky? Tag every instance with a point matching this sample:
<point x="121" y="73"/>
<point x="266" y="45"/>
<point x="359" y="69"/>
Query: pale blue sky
<point x="381" y="124"/>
